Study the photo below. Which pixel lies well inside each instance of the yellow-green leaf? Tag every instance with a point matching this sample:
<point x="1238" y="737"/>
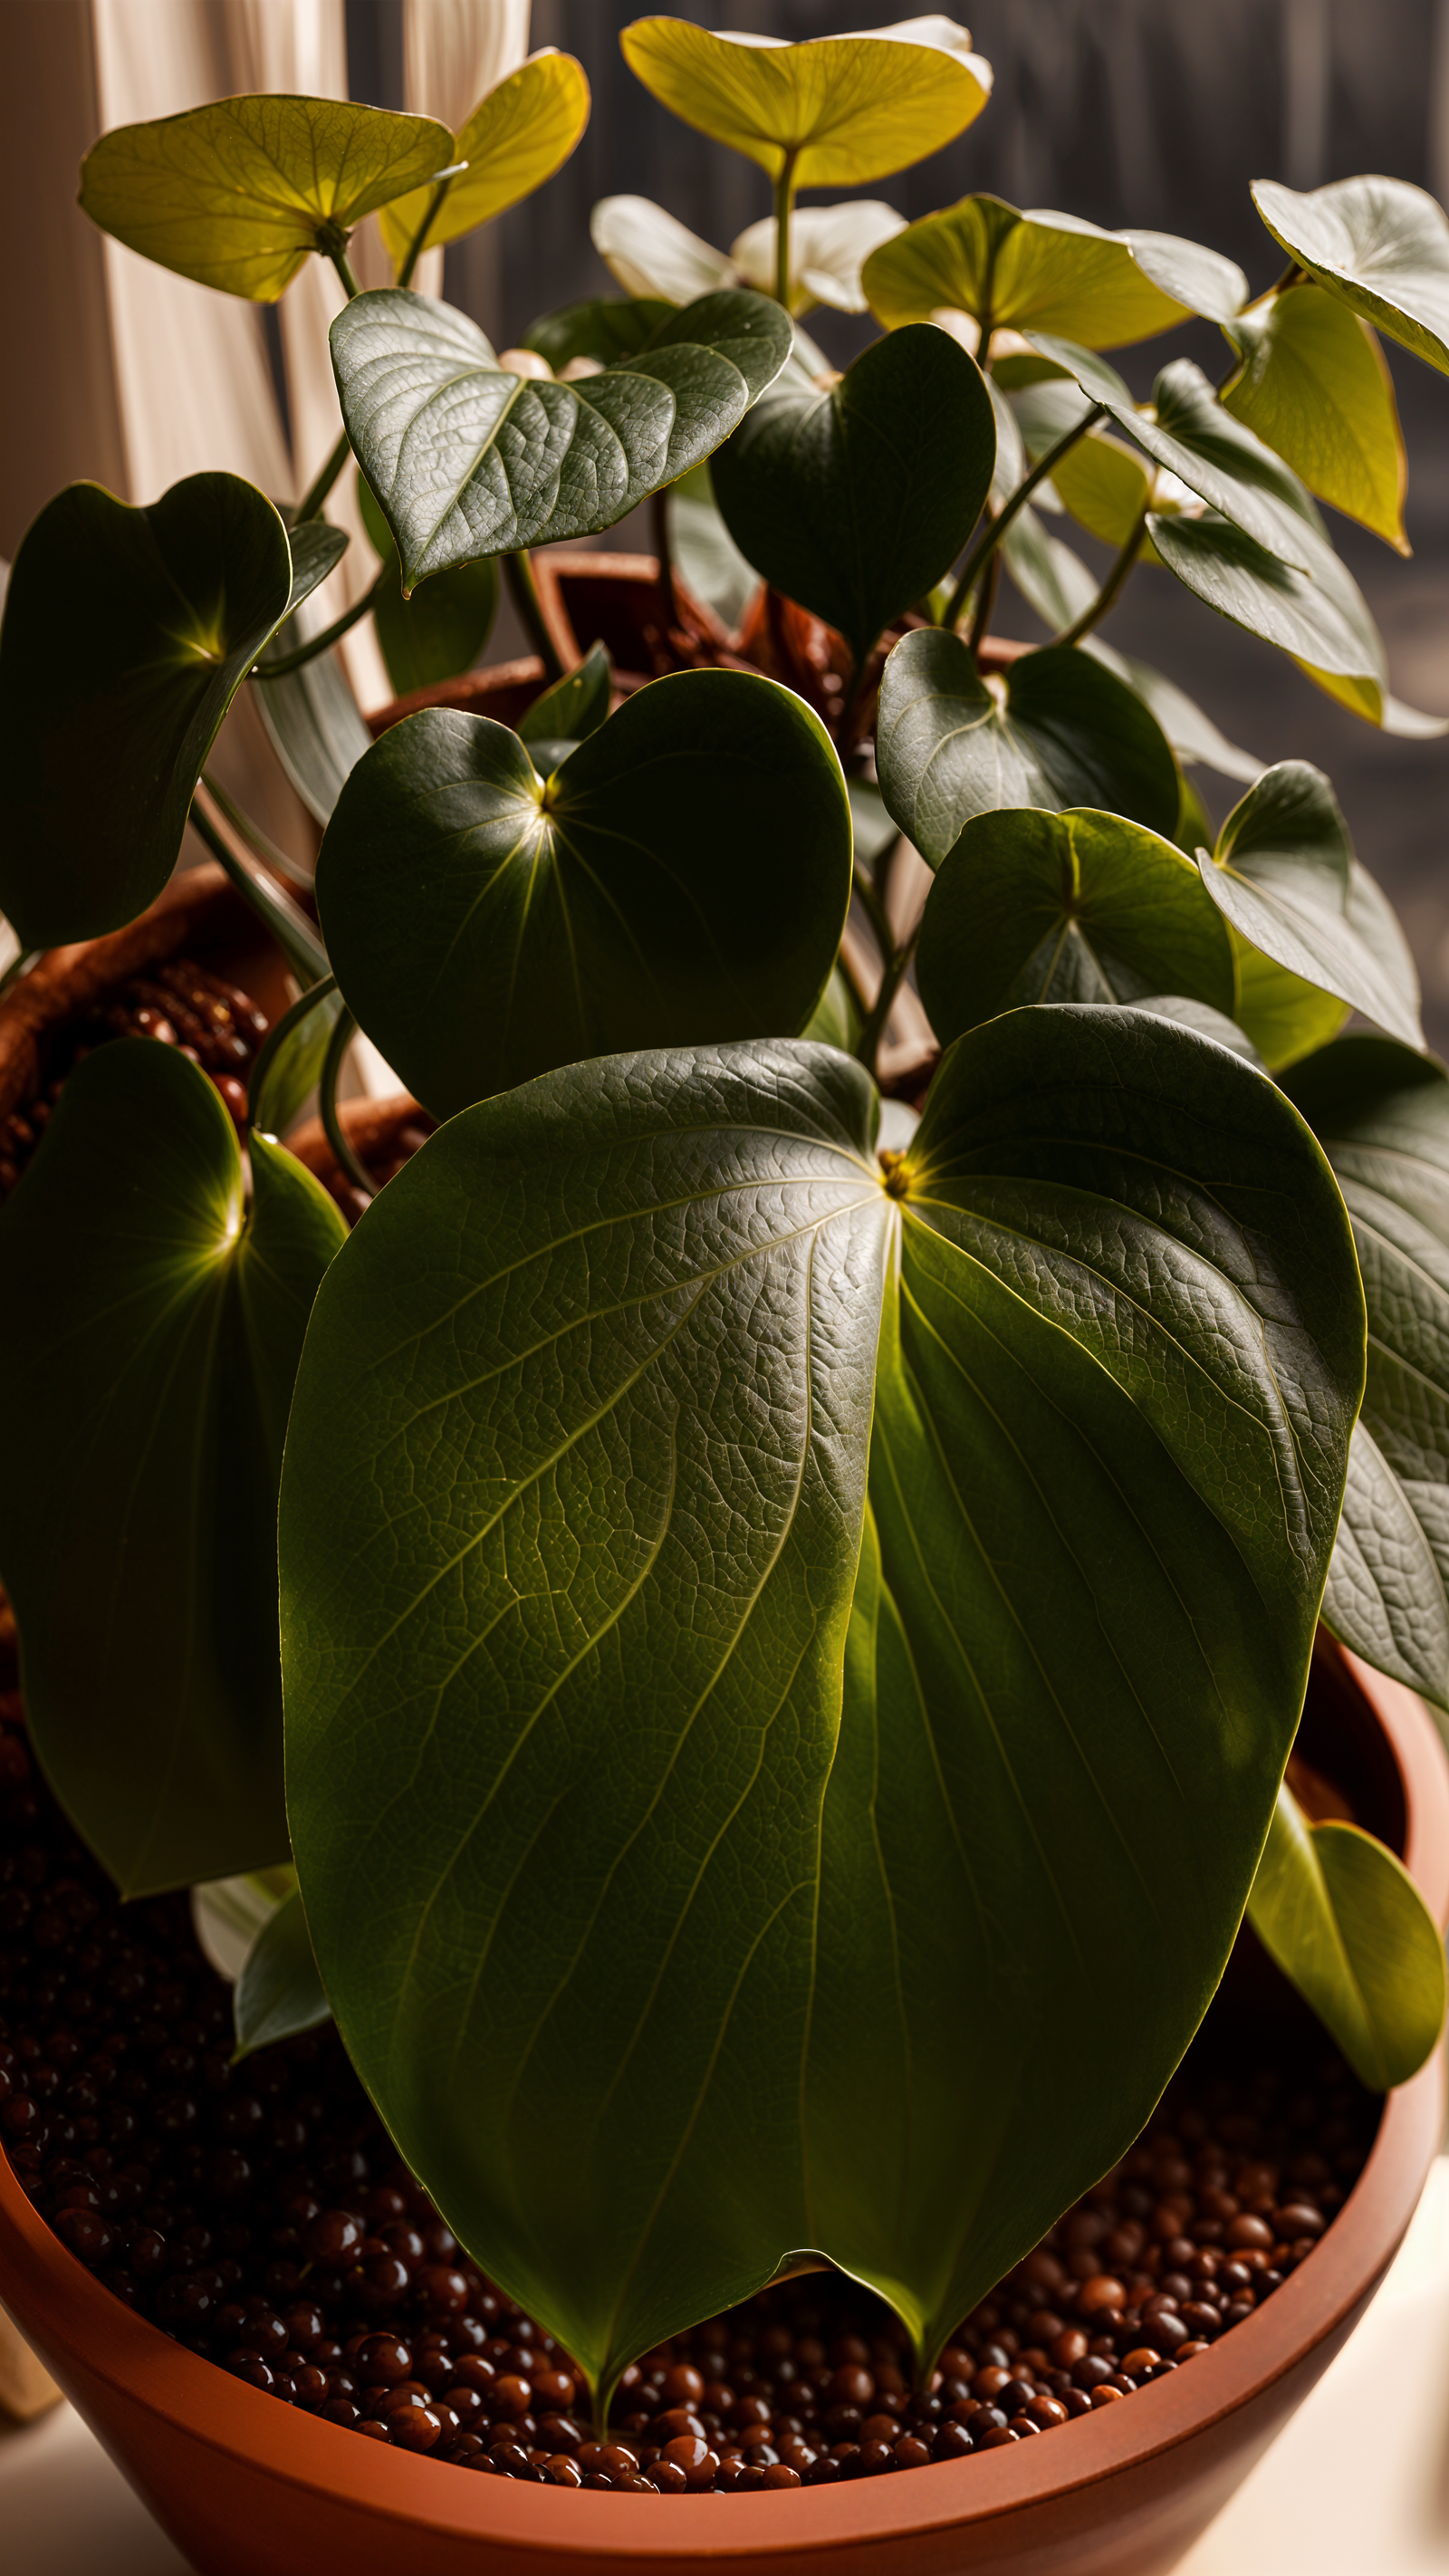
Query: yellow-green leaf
<point x="1043" y="272"/>
<point x="1344" y="1920"/>
<point x="236" y="194"/>
<point x="839" y="109"/>
<point x="1105" y="486"/>
<point x="516" y="137"/>
<point x="1314" y="386"/>
<point x="1285" y="1016"/>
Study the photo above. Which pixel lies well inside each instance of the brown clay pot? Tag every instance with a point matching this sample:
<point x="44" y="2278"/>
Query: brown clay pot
<point x="250" y="2488"/>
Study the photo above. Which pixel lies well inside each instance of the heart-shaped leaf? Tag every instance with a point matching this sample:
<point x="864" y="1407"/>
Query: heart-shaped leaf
<point x="856" y="501"/>
<point x="834" y="111"/>
<point x="100" y="750"/>
<point x="517" y="136"/>
<point x="161" y="1321"/>
<point x="279" y="1991"/>
<point x="686" y="871"/>
<point x="441" y="631"/>
<point x="1282" y="874"/>
<point x="467" y="459"/>
<point x="575" y="706"/>
<point x="1314" y="387"/>
<point x="289" y="1068"/>
<point x="571" y="1529"/>
<point x="1052" y="729"/>
<point x="237" y="194"/>
<point x="1380" y="244"/>
<point x="1381" y="1114"/>
<point x="1344" y="1920"/>
<point x="1036" y="272"/>
<point x="1080" y="907"/>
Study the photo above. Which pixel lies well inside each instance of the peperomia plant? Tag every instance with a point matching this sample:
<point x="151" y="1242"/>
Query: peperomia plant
<point x="784" y="1608"/>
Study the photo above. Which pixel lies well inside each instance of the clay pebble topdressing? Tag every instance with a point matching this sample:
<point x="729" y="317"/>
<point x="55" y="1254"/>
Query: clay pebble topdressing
<point x="259" y="2215"/>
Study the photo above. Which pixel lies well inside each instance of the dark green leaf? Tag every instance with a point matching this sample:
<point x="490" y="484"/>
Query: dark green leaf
<point x="836" y="1020"/>
<point x="1076" y="907"/>
<point x="1207" y="1022"/>
<point x="105" y="728"/>
<point x="279" y="1991"/>
<point x="1314" y="385"/>
<point x="685" y="873"/>
<point x="1381" y="1114"/>
<point x="161" y="1322"/>
<point x="468" y="459"/>
<point x="1285" y="1016"/>
<point x="571" y="1528"/>
<point x="1193" y="736"/>
<point x="317" y="549"/>
<point x="605" y="327"/>
<point x="1380" y="244"/>
<point x="1319" y="616"/>
<point x="287" y="1071"/>
<point x="1053" y="729"/>
<point x="440" y="632"/>
<point x="1345" y="1922"/>
<point x="575" y="706"/>
<point x="1285" y="876"/>
<point x="855" y="502"/>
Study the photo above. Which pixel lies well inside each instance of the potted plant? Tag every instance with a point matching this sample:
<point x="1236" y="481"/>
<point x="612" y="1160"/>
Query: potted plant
<point x="795" y="1610"/>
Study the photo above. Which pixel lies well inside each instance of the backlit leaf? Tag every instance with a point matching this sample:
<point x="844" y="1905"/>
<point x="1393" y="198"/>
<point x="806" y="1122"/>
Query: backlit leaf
<point x="468" y="459"/>
<point x="652" y="253"/>
<point x="239" y="193"/>
<point x="1032" y="272"/>
<point x="829" y="246"/>
<point x="686" y="870"/>
<point x="1380" y="244"/>
<point x="517" y="136"/>
<point x="100" y="750"/>
<point x="1314" y="387"/>
<point x="838" y="109"/>
<point x="161" y="1320"/>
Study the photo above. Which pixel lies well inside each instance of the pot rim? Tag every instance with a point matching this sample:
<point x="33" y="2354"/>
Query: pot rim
<point x="300" y="2451"/>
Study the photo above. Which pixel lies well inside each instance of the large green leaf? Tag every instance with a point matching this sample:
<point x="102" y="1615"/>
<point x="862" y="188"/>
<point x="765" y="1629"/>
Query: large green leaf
<point x="519" y="133"/>
<point x="161" y="1320"/>
<point x="468" y="459"/>
<point x="1345" y="1922"/>
<point x="834" y="111"/>
<point x="101" y="747"/>
<point x="685" y="873"/>
<point x="444" y="629"/>
<point x="1381" y="1114"/>
<point x="1040" y="271"/>
<point x="571" y="1529"/>
<point x="1380" y="244"/>
<point x="1313" y="386"/>
<point x="856" y="501"/>
<point x="1054" y="729"/>
<point x="1284" y="874"/>
<point x="1078" y="907"/>
<point x="237" y="194"/>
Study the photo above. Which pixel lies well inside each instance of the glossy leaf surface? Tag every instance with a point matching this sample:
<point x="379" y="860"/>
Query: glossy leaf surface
<point x="1345" y="1922"/>
<point x="179" y="599"/>
<point x="856" y="501"/>
<point x="288" y="1070"/>
<point x="575" y="706"/>
<point x="841" y="109"/>
<point x="467" y="459"/>
<point x="1380" y="244"/>
<point x="1054" y="729"/>
<point x="571" y="1533"/>
<point x="237" y="193"/>
<point x="1318" y="615"/>
<point x="1381" y="1114"/>
<point x="1283" y="872"/>
<point x="1072" y="907"/>
<point x="440" y="631"/>
<point x="598" y="327"/>
<point x="161" y="1322"/>
<point x="316" y="548"/>
<point x="1314" y="387"/>
<point x="279" y="1991"/>
<point x="1029" y="272"/>
<point x="316" y="728"/>
<point x="686" y="870"/>
<point x="517" y="136"/>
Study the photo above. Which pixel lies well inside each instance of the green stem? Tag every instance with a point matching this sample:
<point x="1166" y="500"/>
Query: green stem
<point x="17" y="967"/>
<point x="985" y="603"/>
<point x="343" y="266"/>
<point x="868" y="1043"/>
<point x="659" y="522"/>
<point x="1106" y="598"/>
<point x="310" y="505"/>
<point x="349" y="1162"/>
<point x="288" y="924"/>
<point x="415" y="246"/>
<point x="991" y="536"/>
<point x="329" y="636"/>
<point x="523" y="591"/>
<point x="784" y="204"/>
<point x="876" y="914"/>
<point x="252" y="833"/>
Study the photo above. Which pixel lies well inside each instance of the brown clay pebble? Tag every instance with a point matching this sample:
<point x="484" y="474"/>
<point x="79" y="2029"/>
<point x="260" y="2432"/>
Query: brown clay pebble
<point x="260" y="2216"/>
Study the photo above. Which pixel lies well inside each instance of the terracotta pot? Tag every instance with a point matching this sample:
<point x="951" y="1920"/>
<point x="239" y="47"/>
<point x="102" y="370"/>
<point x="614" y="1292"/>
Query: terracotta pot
<point x="247" y="2487"/>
